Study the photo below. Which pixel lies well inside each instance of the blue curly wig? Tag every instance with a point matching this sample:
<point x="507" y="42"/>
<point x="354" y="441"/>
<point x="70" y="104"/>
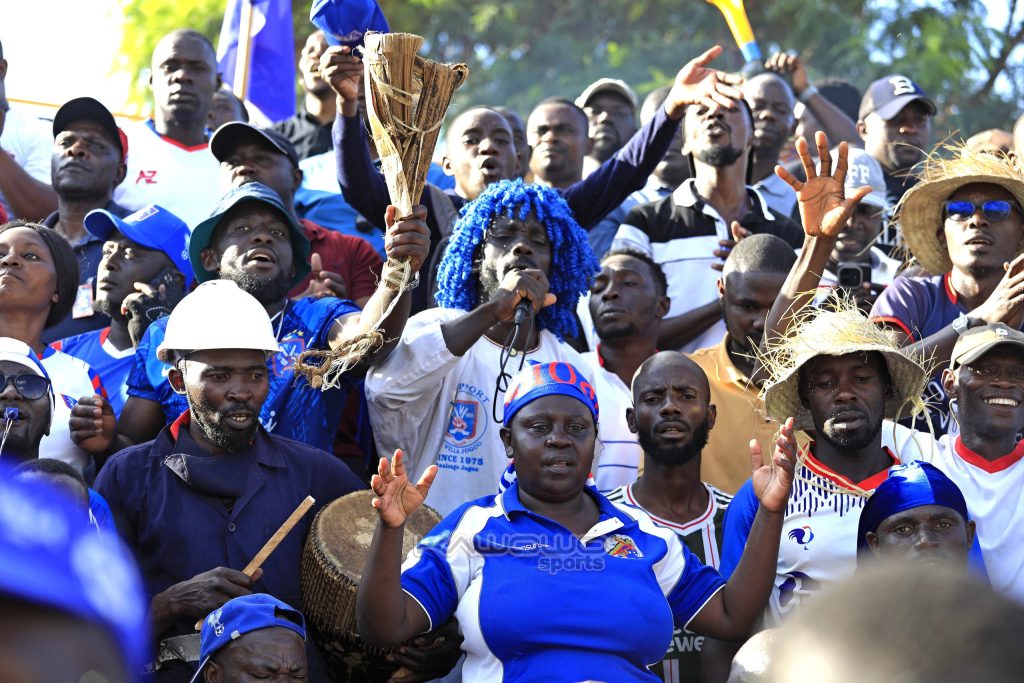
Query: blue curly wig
<point x="573" y="263"/>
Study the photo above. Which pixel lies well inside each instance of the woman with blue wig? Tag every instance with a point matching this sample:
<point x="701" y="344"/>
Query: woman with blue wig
<point x="439" y="394"/>
<point x="549" y="580"/>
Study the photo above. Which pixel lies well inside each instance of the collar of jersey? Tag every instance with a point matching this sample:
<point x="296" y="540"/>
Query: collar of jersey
<point x="823" y="470"/>
<point x="610" y="518"/>
<point x="983" y="463"/>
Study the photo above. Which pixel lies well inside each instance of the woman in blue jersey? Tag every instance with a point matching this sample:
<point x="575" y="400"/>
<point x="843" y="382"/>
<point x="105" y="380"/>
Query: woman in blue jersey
<point x="549" y="580"/>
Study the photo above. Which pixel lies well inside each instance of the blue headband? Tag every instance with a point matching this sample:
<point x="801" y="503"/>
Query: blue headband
<point x="908" y="486"/>
<point x="547" y="379"/>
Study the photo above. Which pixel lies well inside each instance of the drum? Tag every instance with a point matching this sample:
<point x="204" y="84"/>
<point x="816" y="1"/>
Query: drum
<point x="332" y="566"/>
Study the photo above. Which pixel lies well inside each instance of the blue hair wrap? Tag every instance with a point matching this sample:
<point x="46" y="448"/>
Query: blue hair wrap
<point x="908" y="486"/>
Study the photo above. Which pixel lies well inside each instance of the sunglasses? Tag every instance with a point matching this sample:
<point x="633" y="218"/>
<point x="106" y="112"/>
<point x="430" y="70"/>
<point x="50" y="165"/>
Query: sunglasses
<point x="31" y="387"/>
<point x="995" y="210"/>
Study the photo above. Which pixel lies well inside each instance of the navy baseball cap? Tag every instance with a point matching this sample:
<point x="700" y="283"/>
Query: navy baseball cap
<point x="52" y="557"/>
<point x="244" y="615"/>
<point x="345" y="22"/>
<point x="88" y="109"/>
<point x="250" y="192"/>
<point x="887" y="96"/>
<point x="154" y="227"/>
<point x="232" y="133"/>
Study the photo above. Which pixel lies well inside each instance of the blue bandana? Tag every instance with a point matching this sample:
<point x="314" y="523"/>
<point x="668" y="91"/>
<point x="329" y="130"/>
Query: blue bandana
<point x="908" y="486"/>
<point x="547" y="379"/>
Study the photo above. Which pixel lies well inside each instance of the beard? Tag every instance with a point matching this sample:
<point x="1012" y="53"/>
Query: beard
<point x="266" y="290"/>
<point x="851" y="441"/>
<point x="106" y="307"/>
<point x="211" y="421"/>
<point x="719" y="156"/>
<point x="676" y="454"/>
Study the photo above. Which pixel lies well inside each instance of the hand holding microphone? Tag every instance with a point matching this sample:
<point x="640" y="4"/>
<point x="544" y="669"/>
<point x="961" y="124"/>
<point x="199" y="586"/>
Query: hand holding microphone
<point x="521" y="294"/>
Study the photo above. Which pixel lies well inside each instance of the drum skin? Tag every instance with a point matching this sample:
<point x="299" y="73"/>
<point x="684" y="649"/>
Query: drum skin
<point x="332" y="566"/>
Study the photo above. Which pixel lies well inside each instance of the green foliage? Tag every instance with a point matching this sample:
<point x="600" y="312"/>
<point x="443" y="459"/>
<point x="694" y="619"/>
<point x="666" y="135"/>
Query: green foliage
<point x="520" y="51"/>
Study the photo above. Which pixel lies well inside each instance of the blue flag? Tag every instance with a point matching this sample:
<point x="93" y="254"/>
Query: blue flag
<point x="272" y="56"/>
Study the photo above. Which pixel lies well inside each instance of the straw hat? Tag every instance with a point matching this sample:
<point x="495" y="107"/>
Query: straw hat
<point x="837" y="333"/>
<point x="920" y="213"/>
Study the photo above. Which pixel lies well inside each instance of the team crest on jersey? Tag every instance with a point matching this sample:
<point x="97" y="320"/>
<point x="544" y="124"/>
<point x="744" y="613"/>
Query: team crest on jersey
<point x="284" y="360"/>
<point x="463" y="422"/>
<point x="467" y="421"/>
<point x="802" y="536"/>
<point x="623" y="547"/>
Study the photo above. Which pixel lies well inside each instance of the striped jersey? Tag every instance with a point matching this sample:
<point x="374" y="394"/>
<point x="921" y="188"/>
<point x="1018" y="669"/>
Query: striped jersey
<point x="703" y="537"/>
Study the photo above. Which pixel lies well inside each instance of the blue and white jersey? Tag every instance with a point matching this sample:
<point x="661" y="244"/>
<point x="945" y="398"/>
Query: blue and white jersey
<point x="293" y="409"/>
<point x="536" y="603"/>
<point x="112" y="364"/>
<point x="819" y="532"/>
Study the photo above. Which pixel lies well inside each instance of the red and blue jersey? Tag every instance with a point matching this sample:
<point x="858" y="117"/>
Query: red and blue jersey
<point x="537" y="603"/>
<point x="112" y="364"/>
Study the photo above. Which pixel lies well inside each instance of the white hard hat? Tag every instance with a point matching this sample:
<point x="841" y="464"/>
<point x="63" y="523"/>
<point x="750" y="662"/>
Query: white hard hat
<point x="218" y="315"/>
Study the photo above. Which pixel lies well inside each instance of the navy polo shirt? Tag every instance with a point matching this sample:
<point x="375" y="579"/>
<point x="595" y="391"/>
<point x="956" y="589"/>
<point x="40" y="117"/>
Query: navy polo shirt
<point x="177" y="532"/>
<point x="536" y="603"/>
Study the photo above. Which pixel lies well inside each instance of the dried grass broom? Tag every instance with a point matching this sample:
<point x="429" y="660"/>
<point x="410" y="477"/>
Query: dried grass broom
<point x="407" y="99"/>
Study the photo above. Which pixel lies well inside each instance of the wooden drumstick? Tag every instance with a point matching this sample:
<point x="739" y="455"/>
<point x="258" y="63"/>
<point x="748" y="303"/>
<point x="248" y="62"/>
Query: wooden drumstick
<point x="275" y="540"/>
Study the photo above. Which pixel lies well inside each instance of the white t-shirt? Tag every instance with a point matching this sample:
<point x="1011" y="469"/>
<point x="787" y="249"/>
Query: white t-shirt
<point x="992" y="490"/>
<point x="618" y="449"/>
<point x="72" y="379"/>
<point x="183" y="180"/>
<point x="29" y="142"/>
<point x="437" y="407"/>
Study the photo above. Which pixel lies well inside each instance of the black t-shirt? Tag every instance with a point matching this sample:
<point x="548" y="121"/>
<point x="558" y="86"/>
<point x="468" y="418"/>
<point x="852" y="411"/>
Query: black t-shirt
<point x="309" y="136"/>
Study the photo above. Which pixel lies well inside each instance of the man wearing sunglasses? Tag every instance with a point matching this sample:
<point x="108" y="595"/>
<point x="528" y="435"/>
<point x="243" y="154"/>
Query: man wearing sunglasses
<point x="965" y="227"/>
<point x="26" y="402"/>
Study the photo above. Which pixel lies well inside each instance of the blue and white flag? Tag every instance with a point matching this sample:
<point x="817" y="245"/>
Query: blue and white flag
<point x="271" y="75"/>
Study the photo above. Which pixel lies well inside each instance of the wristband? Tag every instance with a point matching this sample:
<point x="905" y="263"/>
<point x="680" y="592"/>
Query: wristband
<point x="809" y="92"/>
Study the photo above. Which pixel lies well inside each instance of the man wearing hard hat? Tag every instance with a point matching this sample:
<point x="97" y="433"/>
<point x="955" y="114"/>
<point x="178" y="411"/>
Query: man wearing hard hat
<point x="253" y="240"/>
<point x="198" y="502"/>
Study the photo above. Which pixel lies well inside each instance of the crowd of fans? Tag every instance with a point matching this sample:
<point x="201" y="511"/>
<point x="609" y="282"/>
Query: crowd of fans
<point x="682" y="383"/>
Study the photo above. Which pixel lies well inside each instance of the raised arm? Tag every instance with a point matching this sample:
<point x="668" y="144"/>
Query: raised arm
<point x="835" y="124"/>
<point x="593" y="197"/>
<point x="824" y="210"/>
<point x="385" y="615"/>
<point x="732" y="612"/>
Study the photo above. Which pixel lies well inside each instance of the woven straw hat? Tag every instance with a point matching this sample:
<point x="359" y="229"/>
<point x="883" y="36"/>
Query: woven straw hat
<point x="920" y="213"/>
<point x="837" y="333"/>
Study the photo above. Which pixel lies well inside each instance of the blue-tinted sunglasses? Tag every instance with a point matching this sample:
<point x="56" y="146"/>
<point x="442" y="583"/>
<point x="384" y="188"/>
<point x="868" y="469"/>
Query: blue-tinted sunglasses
<point x="29" y="386"/>
<point x="994" y="210"/>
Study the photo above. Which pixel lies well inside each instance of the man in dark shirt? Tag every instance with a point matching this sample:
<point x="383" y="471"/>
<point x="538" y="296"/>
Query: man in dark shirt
<point x="310" y="129"/>
<point x="590" y="200"/>
<point x="690" y="232"/>
<point x="88" y="162"/>
<point x="197" y="503"/>
<point x="896" y="123"/>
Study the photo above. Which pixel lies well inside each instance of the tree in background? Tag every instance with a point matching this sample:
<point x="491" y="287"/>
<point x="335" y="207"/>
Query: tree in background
<point x="520" y="51"/>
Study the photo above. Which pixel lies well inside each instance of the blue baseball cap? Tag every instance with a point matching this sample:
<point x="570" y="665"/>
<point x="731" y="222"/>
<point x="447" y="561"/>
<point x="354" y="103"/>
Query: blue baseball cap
<point x="250" y="192"/>
<point x="51" y="556"/>
<point x="908" y="486"/>
<point x="154" y="227"/>
<point x="244" y="615"/>
<point x="345" y="22"/>
<point x="547" y="379"/>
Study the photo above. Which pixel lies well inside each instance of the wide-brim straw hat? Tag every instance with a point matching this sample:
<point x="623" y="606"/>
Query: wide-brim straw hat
<point x="920" y="213"/>
<point x="837" y="333"/>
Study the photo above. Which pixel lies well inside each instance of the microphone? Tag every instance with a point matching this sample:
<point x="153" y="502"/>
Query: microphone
<point x="524" y="311"/>
<point x="11" y="414"/>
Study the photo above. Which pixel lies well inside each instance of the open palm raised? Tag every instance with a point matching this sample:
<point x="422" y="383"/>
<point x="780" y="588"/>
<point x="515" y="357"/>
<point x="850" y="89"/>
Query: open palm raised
<point x="773" y="480"/>
<point x="395" y="497"/>
<point x="824" y="207"/>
